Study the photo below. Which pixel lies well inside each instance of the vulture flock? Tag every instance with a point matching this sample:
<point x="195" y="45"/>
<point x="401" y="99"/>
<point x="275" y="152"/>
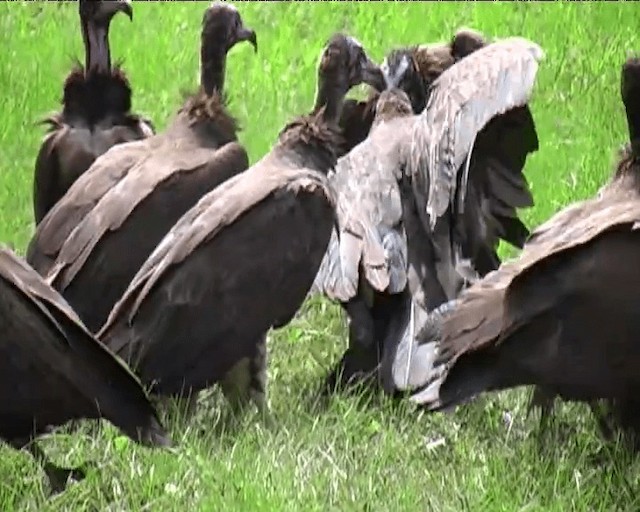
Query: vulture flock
<point x="160" y="261"/>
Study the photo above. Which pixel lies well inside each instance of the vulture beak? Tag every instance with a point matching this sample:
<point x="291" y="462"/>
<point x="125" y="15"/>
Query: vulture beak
<point x="108" y="9"/>
<point x="373" y="75"/>
<point x="246" y="34"/>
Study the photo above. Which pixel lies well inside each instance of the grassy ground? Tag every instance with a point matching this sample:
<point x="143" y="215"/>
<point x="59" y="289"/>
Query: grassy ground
<point x="350" y="456"/>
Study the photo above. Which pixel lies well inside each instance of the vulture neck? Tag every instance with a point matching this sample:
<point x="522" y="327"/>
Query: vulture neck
<point x="213" y="62"/>
<point x="331" y="97"/>
<point x="633" y="121"/>
<point x="96" y="47"/>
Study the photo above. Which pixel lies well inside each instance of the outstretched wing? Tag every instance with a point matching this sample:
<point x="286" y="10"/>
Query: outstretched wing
<point x="489" y="82"/>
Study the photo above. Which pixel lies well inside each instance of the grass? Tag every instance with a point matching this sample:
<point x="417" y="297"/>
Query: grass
<point x="351" y="456"/>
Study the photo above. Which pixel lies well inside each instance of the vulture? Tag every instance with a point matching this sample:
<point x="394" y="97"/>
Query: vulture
<point x="422" y="199"/>
<point x="562" y="316"/>
<point x="96" y="238"/>
<point x="96" y="113"/>
<point x="52" y="370"/>
<point x="426" y="62"/>
<point x="243" y="259"/>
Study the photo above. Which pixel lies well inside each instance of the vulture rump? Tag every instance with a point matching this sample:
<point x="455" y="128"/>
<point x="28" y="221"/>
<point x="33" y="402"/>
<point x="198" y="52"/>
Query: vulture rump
<point x="243" y="259"/>
<point x="95" y="115"/>
<point x="96" y="238"/>
<point x="562" y="316"/>
<point x="53" y="370"/>
<point x="392" y="261"/>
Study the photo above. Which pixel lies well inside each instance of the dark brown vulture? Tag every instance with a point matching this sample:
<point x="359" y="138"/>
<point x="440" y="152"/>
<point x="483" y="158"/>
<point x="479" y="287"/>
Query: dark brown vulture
<point x="96" y="238"/>
<point x="96" y="113"/>
<point x="406" y="206"/>
<point x="427" y="62"/>
<point x="564" y="314"/>
<point x="243" y="259"/>
<point x="52" y="370"/>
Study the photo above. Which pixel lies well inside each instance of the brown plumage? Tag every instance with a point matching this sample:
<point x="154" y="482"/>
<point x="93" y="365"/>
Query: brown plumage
<point x="53" y="370"/>
<point x="96" y="238"/>
<point x="243" y="259"/>
<point x="564" y="315"/>
<point x="389" y="257"/>
<point x="96" y="113"/>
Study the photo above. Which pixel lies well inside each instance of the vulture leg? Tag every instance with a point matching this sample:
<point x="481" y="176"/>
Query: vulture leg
<point x="603" y="418"/>
<point x="361" y="357"/>
<point x="545" y="400"/>
<point x="57" y="476"/>
<point x="246" y="382"/>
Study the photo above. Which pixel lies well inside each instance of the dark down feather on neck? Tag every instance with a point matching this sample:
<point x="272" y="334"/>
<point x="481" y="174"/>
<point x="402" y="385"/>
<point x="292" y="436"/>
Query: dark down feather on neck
<point x="95" y="96"/>
<point x="211" y="113"/>
<point x="315" y="143"/>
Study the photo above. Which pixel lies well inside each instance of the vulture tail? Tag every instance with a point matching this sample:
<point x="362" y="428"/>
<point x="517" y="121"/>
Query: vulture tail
<point x="630" y="91"/>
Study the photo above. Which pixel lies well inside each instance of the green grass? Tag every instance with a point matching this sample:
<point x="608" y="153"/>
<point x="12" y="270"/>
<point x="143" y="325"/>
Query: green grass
<point x="350" y="456"/>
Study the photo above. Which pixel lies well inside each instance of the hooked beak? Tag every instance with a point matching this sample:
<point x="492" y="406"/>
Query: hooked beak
<point x="373" y="75"/>
<point x="109" y="9"/>
<point x="246" y="34"/>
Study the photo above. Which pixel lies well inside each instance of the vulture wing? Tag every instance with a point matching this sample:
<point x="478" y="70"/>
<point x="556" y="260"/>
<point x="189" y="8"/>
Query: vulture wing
<point x="136" y="212"/>
<point x="463" y="100"/>
<point x="55" y="370"/>
<point x="239" y="262"/>
<point x="85" y="193"/>
<point x="371" y="239"/>
<point x="485" y="313"/>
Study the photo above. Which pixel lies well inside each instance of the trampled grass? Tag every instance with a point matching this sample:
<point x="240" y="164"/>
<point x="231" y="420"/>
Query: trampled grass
<point x="350" y="456"/>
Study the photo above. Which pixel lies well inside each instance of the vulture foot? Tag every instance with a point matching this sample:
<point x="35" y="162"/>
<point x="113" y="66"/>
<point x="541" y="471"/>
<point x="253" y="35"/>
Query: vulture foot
<point x="246" y="383"/>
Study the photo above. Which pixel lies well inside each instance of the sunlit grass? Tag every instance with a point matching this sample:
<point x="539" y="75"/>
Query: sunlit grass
<point x="350" y="456"/>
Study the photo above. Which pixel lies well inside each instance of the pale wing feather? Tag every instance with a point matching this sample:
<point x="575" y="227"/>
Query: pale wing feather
<point x="463" y="100"/>
<point x="371" y="242"/>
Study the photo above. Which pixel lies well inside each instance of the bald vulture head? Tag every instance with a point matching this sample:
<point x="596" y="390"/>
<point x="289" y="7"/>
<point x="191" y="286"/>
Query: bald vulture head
<point x="95" y="18"/>
<point x="345" y="64"/>
<point x="222" y="27"/>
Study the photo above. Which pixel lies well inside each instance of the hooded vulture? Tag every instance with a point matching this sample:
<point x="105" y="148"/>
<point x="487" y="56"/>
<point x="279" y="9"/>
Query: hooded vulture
<point x="412" y="196"/>
<point x="52" y="370"/>
<point x="243" y="259"/>
<point x="96" y="238"/>
<point x="95" y="115"/>
<point x="564" y="315"/>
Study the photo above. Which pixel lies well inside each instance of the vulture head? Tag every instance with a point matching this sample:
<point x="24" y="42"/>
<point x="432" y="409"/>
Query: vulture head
<point x="343" y="65"/>
<point x="414" y="69"/>
<point x="95" y="18"/>
<point x="466" y="41"/>
<point x="401" y="71"/>
<point x="222" y="29"/>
